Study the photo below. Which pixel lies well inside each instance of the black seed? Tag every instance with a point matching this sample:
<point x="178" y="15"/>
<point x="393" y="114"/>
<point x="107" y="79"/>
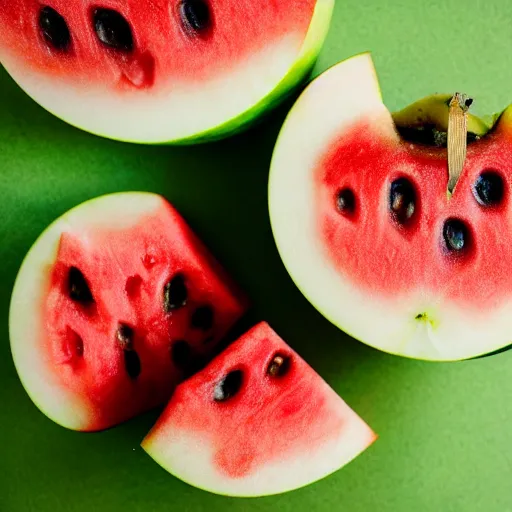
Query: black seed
<point x="202" y="318"/>
<point x="489" y="188"/>
<point x="456" y="235"/>
<point x="113" y="30"/>
<point x="228" y="386"/>
<point x="279" y="366"/>
<point x="132" y="363"/>
<point x="124" y="336"/>
<point x="175" y="293"/>
<point x="345" y="201"/>
<point x="195" y="15"/>
<point x="181" y="354"/>
<point x="402" y="200"/>
<point x="79" y="290"/>
<point x="54" y="29"/>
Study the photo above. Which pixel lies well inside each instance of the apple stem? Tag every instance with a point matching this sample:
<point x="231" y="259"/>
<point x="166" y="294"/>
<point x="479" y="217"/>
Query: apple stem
<point x="457" y="138"/>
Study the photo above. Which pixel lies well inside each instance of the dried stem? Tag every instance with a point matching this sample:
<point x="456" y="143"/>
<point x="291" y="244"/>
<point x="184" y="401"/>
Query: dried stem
<point x="457" y="137"/>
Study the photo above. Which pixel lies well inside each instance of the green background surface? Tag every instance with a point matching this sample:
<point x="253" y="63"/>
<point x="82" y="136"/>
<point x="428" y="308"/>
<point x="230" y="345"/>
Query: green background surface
<point x="445" y="437"/>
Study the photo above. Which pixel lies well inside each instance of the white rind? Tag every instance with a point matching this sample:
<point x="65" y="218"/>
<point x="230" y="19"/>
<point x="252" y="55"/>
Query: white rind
<point x="191" y="458"/>
<point x="178" y="113"/>
<point x="331" y="104"/>
<point x="183" y="110"/>
<point x="25" y="316"/>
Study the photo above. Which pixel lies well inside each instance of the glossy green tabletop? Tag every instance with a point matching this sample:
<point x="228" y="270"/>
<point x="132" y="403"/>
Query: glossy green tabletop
<point x="445" y="429"/>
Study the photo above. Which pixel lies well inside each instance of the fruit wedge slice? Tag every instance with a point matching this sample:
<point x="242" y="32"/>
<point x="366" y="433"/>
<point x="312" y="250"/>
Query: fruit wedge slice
<point x="161" y="71"/>
<point x="116" y="302"/>
<point x="368" y="230"/>
<point x="258" y="420"/>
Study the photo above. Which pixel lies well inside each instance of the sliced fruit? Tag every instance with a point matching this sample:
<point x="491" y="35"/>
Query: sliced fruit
<point x="104" y="312"/>
<point x="368" y="231"/>
<point x="257" y="420"/>
<point x="158" y="71"/>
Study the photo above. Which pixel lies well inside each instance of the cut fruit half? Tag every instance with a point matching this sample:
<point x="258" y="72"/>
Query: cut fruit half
<point x="364" y="224"/>
<point x="258" y="420"/>
<point x="116" y="303"/>
<point x="159" y="71"/>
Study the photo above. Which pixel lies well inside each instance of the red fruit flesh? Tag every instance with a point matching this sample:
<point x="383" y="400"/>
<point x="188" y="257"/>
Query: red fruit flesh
<point x="388" y="259"/>
<point x="127" y="271"/>
<point x="165" y="51"/>
<point x="268" y="420"/>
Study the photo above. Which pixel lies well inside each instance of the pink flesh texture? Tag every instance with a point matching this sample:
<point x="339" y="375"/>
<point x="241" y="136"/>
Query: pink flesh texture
<point x="270" y="419"/>
<point x="126" y="271"/>
<point x="164" y="52"/>
<point x="387" y="260"/>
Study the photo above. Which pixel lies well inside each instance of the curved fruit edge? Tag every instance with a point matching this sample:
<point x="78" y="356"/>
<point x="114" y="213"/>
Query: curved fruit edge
<point x="315" y="38"/>
<point x="313" y="42"/>
<point x="269" y="194"/>
<point x="366" y="438"/>
<point x="503" y="120"/>
<point x="166" y="443"/>
<point x="30" y="281"/>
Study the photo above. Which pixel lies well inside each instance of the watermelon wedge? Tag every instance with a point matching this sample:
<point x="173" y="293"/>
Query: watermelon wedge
<point x="159" y="71"/>
<point x="374" y="234"/>
<point x="116" y="303"/>
<point x="258" y="420"/>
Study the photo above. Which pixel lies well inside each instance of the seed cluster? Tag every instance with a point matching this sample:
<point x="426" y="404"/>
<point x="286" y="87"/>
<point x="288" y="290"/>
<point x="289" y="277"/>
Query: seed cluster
<point x="202" y="318"/>
<point x="175" y="296"/>
<point x="113" y="30"/>
<point x="488" y="190"/>
<point x="231" y="383"/>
